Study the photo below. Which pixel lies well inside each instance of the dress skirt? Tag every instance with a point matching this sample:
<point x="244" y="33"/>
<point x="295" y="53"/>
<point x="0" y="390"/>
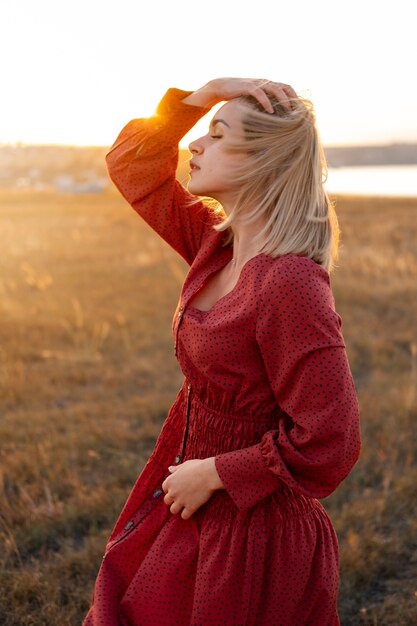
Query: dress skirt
<point x="273" y="564"/>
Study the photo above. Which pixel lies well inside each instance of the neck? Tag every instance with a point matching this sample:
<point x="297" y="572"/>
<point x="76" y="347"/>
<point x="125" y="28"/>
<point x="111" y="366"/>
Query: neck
<point x="243" y="243"/>
<point x="234" y="262"/>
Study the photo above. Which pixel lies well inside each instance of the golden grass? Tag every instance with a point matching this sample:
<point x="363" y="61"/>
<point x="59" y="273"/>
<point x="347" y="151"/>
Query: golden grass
<point x="88" y="373"/>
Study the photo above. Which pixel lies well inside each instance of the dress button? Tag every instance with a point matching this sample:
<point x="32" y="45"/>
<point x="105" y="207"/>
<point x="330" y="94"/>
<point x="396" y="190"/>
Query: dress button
<point x="177" y="458"/>
<point x="157" y="493"/>
<point x="129" y="525"/>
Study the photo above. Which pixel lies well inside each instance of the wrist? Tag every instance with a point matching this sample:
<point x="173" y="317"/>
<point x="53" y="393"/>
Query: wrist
<point x="206" y="96"/>
<point x="214" y="480"/>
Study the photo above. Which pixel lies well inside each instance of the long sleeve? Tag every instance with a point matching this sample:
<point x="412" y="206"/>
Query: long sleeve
<point x="142" y="164"/>
<point x="317" y="438"/>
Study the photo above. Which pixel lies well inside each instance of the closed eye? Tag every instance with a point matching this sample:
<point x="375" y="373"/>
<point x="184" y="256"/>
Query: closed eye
<point x="216" y="136"/>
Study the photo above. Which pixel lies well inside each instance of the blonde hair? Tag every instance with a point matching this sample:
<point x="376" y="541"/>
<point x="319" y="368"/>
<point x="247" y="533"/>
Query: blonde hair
<point x="281" y="182"/>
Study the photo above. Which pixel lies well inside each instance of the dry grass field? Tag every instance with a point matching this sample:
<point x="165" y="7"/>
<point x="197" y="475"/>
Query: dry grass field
<point x="88" y="373"/>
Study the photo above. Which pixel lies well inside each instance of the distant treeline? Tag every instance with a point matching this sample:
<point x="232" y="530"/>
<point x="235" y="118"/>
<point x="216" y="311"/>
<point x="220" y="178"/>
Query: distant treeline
<point x="393" y="154"/>
<point x="42" y="164"/>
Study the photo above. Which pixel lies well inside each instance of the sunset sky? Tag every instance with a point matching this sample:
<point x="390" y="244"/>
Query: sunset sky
<point x="77" y="72"/>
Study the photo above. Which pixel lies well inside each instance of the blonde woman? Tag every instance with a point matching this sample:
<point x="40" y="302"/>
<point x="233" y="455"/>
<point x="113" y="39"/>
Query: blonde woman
<point x="224" y="525"/>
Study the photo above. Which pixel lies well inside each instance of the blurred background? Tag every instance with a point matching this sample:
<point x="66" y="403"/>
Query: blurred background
<point x="88" y="290"/>
<point x="77" y="72"/>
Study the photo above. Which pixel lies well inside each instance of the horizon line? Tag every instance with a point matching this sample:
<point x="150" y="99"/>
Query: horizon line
<point x="15" y="144"/>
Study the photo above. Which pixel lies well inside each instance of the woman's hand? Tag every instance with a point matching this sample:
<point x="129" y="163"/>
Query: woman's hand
<point x="221" y="89"/>
<point x="190" y="485"/>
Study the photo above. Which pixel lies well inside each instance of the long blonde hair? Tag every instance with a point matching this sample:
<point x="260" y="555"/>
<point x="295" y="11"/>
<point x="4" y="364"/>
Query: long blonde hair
<point x="281" y="182"/>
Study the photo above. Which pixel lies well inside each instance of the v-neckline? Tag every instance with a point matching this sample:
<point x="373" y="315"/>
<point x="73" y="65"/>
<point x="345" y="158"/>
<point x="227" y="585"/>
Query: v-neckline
<point x="229" y="293"/>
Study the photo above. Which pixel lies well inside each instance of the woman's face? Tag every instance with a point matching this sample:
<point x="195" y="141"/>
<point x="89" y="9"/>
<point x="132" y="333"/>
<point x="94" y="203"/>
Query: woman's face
<point x="212" y="163"/>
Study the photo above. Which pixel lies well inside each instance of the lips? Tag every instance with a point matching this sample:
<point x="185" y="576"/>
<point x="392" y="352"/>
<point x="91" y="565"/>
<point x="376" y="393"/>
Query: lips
<point x="193" y="166"/>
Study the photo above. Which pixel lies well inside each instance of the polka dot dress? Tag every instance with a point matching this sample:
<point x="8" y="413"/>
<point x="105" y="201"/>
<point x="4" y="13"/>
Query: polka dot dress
<point x="267" y="391"/>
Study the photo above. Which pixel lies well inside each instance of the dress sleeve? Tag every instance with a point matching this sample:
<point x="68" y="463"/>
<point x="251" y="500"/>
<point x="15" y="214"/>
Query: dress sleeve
<point x="317" y="437"/>
<point x="142" y="164"/>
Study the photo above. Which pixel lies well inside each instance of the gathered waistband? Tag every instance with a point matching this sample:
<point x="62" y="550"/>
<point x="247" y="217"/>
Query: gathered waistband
<point x="280" y="507"/>
<point x="254" y="416"/>
<point x="211" y="432"/>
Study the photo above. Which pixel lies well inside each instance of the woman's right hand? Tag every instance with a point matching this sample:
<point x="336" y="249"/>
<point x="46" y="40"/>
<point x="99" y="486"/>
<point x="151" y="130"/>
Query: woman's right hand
<point x="223" y="89"/>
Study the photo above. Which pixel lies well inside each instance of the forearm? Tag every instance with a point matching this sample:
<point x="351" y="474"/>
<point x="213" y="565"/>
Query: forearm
<point x="206" y="96"/>
<point x="142" y="164"/>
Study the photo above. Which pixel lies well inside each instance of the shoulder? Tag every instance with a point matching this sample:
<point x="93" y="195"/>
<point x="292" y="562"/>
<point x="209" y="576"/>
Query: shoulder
<point x="297" y="287"/>
<point x="294" y="275"/>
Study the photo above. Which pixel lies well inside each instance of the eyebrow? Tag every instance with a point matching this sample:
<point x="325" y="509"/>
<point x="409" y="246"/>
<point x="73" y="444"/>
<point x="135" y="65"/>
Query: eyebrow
<point x="219" y="121"/>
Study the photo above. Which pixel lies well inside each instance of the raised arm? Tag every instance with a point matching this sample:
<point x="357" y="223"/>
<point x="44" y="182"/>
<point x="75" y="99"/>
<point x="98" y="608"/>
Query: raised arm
<point x="143" y="160"/>
<point x="317" y="438"/>
<point x="142" y="164"/>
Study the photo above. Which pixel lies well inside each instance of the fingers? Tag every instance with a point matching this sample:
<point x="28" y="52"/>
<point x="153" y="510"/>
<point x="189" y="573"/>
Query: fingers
<point x="186" y="514"/>
<point x="168" y="499"/>
<point x="262" y="98"/>
<point x="285" y="92"/>
<point x="175" y="508"/>
<point x="260" y="89"/>
<point x="281" y="91"/>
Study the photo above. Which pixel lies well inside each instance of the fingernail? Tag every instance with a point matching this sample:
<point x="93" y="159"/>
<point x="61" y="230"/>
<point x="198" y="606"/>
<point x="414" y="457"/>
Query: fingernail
<point x="171" y="467"/>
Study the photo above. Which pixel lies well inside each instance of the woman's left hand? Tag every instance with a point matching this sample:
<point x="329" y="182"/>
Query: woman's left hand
<point x="190" y="485"/>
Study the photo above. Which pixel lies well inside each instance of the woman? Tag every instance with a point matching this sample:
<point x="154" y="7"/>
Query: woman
<point x="224" y="525"/>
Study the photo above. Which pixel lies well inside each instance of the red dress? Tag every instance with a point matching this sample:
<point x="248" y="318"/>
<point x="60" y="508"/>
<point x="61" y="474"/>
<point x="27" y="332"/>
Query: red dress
<point x="267" y="390"/>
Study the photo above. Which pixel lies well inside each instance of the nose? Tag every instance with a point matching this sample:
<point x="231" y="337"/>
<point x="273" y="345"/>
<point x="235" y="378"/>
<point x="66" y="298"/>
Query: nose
<point x="195" y="147"/>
